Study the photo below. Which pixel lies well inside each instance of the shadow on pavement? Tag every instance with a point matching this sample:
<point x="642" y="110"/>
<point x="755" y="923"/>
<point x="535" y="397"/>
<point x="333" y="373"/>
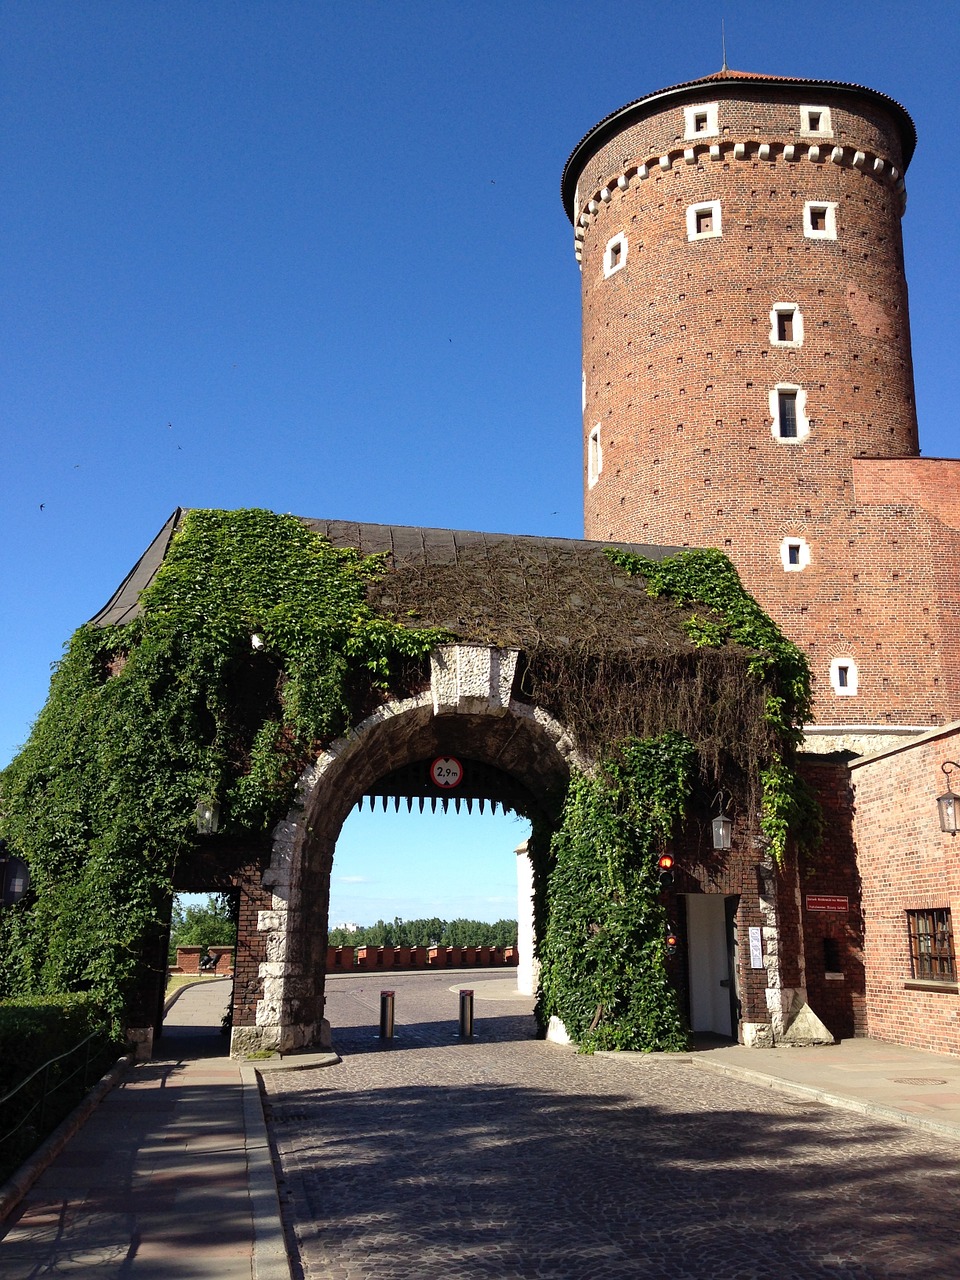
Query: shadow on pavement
<point x="481" y="1180"/>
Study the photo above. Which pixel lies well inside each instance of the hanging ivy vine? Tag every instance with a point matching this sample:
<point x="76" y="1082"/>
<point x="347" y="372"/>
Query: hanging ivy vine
<point x="255" y="644"/>
<point x="603" y="969"/>
<point x="707" y="578"/>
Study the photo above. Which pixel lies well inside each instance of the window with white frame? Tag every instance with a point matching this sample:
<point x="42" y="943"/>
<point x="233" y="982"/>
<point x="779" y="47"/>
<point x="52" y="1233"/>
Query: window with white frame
<point x="615" y="254"/>
<point x="703" y="220"/>
<point x="788" y="413"/>
<point x="594" y="456"/>
<point x="816" y="122"/>
<point x="820" y="220"/>
<point x="794" y="554"/>
<point x="701" y="121"/>
<point x="844" y="678"/>
<point x="786" y="325"/>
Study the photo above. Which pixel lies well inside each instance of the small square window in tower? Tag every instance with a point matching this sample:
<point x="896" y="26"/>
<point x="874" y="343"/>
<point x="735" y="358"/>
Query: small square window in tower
<point x="786" y="325"/>
<point x="820" y="220"/>
<point x="703" y="220"/>
<point x="816" y="121"/>
<point x="701" y="120"/>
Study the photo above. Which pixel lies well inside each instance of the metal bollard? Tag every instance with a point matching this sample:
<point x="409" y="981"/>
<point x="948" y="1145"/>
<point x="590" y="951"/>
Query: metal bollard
<point x="386" y="1015"/>
<point x="466" y="1015"/>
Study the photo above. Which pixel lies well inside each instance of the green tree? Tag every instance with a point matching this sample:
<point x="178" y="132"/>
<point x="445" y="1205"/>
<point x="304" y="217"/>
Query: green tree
<point x="207" y="924"/>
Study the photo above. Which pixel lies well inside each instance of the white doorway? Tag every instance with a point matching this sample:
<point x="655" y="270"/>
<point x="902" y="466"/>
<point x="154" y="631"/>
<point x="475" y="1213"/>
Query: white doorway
<point x="709" y="965"/>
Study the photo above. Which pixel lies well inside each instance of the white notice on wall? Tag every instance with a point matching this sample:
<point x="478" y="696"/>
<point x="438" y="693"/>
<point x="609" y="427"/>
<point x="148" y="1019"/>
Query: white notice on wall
<point x="756" y="949"/>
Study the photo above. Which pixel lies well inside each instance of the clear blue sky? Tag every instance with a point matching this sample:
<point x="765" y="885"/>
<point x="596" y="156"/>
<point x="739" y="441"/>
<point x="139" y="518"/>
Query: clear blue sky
<point x="311" y="257"/>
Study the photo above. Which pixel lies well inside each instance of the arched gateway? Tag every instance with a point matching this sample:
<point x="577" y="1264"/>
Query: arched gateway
<point x="515" y="753"/>
<point x="616" y="696"/>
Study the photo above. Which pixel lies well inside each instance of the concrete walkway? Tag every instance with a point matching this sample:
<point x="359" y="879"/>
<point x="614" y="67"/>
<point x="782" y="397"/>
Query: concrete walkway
<point x="172" y="1178"/>
<point x="909" y="1086"/>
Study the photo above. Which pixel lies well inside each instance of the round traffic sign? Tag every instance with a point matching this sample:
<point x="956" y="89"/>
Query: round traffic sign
<point x="446" y="771"/>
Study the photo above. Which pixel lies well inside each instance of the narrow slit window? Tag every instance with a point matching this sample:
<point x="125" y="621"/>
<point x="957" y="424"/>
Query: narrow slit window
<point x="844" y="678"/>
<point x="594" y="457"/>
<point x="615" y="254"/>
<point x="818" y="217"/>
<point x="794" y="554"/>
<point x="784" y="326"/>
<point x="813" y="121"/>
<point x="787" y="414"/>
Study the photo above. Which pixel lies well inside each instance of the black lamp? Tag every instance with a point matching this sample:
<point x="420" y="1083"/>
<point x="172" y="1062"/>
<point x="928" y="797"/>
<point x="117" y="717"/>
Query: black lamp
<point x="947" y="804"/>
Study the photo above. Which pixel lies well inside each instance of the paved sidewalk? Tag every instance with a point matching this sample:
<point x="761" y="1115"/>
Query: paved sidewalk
<point x="167" y="1177"/>
<point x="909" y="1086"/>
<point x="171" y="1178"/>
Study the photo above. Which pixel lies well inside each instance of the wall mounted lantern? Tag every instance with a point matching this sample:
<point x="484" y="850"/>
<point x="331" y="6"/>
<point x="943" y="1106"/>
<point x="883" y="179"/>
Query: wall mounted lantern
<point x="208" y="817"/>
<point x="722" y="826"/>
<point x="948" y="805"/>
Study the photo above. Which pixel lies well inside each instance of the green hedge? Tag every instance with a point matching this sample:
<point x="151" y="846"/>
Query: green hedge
<point x="34" y="1029"/>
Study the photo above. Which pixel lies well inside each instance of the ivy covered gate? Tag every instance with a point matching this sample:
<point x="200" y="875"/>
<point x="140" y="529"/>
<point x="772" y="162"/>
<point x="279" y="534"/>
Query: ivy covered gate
<point x="281" y="669"/>
<point x="512" y="753"/>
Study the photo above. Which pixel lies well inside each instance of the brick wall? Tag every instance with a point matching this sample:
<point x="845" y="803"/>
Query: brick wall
<point x="906" y="863"/>
<point x="833" y="939"/>
<point x="679" y="364"/>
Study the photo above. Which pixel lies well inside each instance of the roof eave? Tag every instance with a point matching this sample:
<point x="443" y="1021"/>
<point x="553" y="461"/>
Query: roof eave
<point x="612" y="124"/>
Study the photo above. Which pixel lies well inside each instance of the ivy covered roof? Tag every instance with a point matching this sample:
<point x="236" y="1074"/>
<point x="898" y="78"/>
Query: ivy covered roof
<point x="490" y="588"/>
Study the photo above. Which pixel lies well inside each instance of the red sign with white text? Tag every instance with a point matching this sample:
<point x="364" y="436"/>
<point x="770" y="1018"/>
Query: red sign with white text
<point x="825" y="902"/>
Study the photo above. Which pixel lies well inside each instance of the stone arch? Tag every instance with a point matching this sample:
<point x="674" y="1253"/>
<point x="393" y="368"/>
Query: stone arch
<point x="470" y="710"/>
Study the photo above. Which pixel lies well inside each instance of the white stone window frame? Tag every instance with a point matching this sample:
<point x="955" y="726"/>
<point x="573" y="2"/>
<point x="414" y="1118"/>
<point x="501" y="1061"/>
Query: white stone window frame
<point x="852" y="685"/>
<point x="613" y="264"/>
<point x="829" y="231"/>
<point x="803" y="422"/>
<point x="694" y="211"/>
<point x="824" y="129"/>
<point x="803" y="557"/>
<point x="712" y="112"/>
<point x="783" y="309"/>
<point x="594" y="456"/>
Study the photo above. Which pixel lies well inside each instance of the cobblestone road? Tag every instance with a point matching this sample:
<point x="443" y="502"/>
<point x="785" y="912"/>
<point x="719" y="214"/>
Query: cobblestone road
<point x="507" y="1157"/>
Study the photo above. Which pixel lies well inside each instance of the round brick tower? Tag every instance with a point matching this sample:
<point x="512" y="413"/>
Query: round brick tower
<point x="745" y="340"/>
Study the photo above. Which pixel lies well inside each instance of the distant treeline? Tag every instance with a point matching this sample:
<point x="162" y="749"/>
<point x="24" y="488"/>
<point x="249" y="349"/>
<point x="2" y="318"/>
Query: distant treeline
<point x="428" y="933"/>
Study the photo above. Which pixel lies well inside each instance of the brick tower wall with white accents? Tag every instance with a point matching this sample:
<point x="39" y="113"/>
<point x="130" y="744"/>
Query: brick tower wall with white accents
<point x="745" y="341"/>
